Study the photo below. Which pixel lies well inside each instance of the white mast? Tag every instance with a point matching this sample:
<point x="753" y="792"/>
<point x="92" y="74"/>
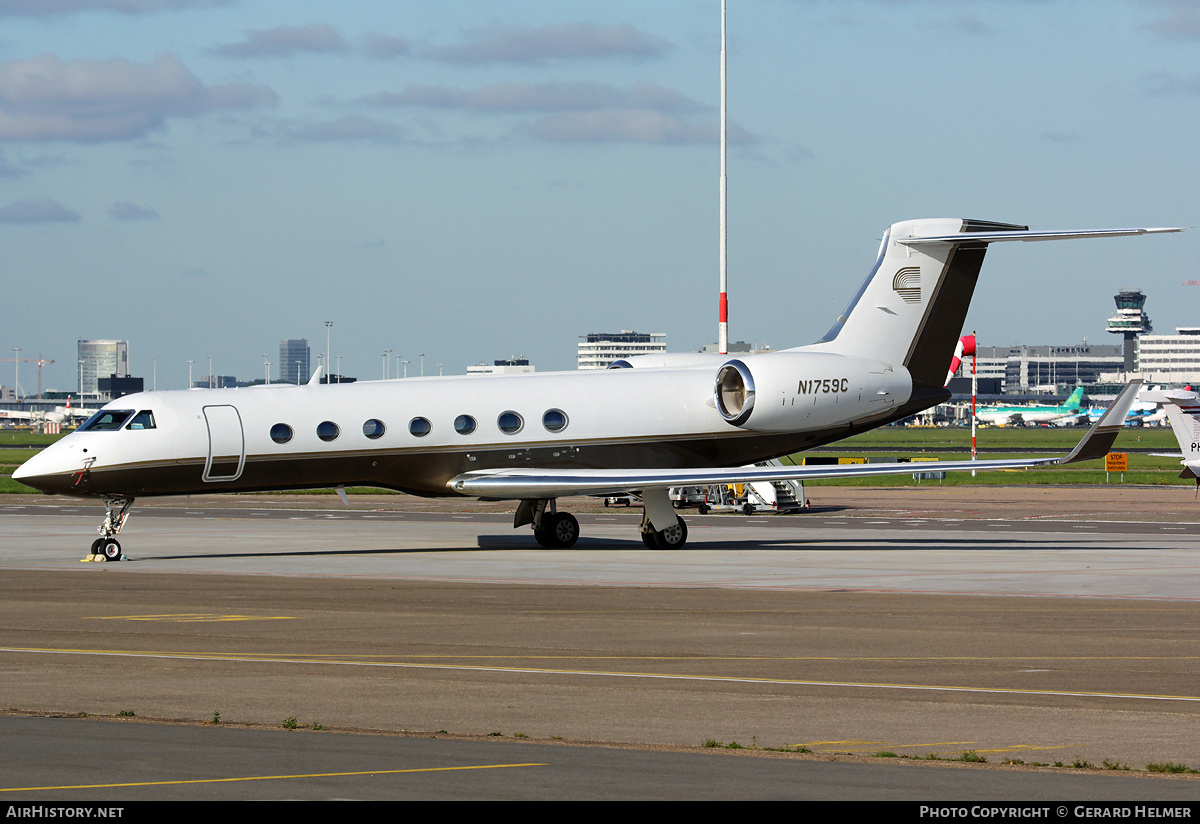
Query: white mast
<point x="723" y="307"/>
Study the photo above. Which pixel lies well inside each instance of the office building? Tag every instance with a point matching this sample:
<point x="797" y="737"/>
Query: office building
<point x="101" y="359"/>
<point x="598" y="349"/>
<point x="293" y="361"/>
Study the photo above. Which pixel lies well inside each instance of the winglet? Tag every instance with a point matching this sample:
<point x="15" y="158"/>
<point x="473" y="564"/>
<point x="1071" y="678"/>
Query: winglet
<point x="1099" y="439"/>
<point x="316" y="378"/>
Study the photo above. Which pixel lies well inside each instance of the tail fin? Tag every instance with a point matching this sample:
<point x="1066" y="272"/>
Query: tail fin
<point x="1073" y="402"/>
<point x="1183" y="411"/>
<point x="911" y="308"/>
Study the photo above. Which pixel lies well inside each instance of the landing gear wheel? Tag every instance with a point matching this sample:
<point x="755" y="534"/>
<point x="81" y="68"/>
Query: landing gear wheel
<point x="110" y="549"/>
<point x="673" y="537"/>
<point x="566" y="530"/>
<point x="97" y="547"/>
<point x="562" y="533"/>
<point x="648" y="540"/>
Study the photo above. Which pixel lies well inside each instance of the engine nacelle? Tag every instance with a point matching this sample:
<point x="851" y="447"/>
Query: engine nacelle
<point x="788" y="391"/>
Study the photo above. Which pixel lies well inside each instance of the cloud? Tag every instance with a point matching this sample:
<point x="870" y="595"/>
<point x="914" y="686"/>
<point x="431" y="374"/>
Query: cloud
<point x="970" y="24"/>
<point x="384" y="46"/>
<point x="1182" y="21"/>
<point x="54" y="8"/>
<point x="9" y="170"/>
<point x="578" y="112"/>
<point x="38" y="210"/>
<point x="571" y="41"/>
<point x="628" y="126"/>
<point x="286" y="41"/>
<point x="540" y="97"/>
<point x="125" y="210"/>
<point x="47" y="98"/>
<point x="350" y="128"/>
<point x="1165" y="84"/>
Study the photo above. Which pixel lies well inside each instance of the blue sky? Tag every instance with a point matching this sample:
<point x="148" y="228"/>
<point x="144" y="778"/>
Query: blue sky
<point x="474" y="180"/>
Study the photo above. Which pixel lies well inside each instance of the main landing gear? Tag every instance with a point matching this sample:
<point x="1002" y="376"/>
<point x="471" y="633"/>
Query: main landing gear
<point x="106" y="547"/>
<point x="560" y="530"/>
<point x="551" y="528"/>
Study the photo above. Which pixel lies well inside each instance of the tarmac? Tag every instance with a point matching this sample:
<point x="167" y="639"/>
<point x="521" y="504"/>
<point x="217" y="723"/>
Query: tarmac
<point x="1031" y="624"/>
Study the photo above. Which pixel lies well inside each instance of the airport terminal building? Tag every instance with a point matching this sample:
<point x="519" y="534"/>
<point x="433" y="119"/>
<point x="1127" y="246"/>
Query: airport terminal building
<point x="1170" y="359"/>
<point x="1041" y="370"/>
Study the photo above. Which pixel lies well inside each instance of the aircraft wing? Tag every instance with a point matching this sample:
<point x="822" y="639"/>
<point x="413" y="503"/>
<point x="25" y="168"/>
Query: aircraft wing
<point x="553" y="483"/>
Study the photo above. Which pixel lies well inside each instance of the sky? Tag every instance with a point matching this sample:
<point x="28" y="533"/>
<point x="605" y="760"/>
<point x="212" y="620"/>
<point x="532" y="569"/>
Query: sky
<point x="479" y="180"/>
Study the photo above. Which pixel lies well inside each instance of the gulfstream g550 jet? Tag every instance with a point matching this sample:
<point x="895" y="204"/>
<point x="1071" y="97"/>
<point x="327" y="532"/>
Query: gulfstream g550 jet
<point x="661" y="421"/>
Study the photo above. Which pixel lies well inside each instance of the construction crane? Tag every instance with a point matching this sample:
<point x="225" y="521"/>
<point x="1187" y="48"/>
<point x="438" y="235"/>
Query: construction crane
<point x="39" y="360"/>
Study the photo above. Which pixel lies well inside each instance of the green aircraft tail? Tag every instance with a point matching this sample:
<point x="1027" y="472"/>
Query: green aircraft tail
<point x="1073" y="401"/>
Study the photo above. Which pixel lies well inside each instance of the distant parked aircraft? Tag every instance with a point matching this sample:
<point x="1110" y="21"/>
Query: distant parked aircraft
<point x="1058" y="415"/>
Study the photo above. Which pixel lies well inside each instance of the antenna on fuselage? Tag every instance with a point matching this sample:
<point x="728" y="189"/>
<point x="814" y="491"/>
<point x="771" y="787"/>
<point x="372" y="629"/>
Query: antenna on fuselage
<point x="723" y="305"/>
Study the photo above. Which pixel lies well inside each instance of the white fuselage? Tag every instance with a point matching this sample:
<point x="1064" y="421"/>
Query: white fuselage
<point x="402" y="434"/>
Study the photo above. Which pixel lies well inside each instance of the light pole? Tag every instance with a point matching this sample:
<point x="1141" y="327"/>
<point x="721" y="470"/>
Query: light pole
<point x="328" y="332"/>
<point x="387" y="361"/>
<point x="405" y="368"/>
<point x="422" y="364"/>
<point x="339" y="368"/>
<point x="154" y="380"/>
<point x="211" y="383"/>
<point x="266" y="369"/>
<point x="439" y="370"/>
<point x="16" y="373"/>
<point x="297" y="373"/>
<point x="189" y="386"/>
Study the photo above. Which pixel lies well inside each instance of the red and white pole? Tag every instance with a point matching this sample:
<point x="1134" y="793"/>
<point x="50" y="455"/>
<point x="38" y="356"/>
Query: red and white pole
<point x="723" y="308"/>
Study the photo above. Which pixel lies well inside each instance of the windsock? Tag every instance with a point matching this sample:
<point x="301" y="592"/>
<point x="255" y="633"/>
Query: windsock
<point x="966" y="346"/>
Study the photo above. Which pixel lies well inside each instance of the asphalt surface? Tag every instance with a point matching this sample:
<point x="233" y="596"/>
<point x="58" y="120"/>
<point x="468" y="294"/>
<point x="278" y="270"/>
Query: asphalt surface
<point x="1044" y="629"/>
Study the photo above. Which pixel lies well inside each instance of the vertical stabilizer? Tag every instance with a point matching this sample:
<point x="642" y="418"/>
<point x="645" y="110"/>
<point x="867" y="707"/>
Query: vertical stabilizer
<point x="1183" y="411"/>
<point x="911" y="308"/>
<point x="1072" y="404"/>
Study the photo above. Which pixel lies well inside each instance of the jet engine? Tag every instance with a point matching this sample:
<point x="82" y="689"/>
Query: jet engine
<point x="786" y="391"/>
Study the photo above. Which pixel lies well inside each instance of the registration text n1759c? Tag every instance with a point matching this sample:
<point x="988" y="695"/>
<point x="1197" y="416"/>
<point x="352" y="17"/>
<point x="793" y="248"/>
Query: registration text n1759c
<point x="824" y="385"/>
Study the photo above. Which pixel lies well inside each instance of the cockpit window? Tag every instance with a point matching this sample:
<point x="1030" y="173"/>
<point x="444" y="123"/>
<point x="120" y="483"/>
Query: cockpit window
<point x="106" y="420"/>
<point x="142" y="420"/>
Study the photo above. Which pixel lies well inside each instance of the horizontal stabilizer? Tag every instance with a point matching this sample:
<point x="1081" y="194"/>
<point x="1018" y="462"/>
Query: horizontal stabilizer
<point x="555" y="483"/>
<point x="1026" y="235"/>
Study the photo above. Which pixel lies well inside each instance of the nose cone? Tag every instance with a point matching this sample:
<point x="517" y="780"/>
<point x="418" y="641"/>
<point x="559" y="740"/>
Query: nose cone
<point x="49" y="472"/>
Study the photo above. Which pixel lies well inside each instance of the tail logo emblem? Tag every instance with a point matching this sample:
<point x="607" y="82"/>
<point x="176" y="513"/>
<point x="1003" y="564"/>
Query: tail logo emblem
<point x="907" y="284"/>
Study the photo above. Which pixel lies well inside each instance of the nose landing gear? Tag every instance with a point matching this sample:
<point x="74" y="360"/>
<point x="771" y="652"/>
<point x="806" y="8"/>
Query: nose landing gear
<point x="106" y="547"/>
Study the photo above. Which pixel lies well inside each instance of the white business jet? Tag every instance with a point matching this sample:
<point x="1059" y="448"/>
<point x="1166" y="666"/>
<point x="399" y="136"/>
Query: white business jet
<point x="652" y="423"/>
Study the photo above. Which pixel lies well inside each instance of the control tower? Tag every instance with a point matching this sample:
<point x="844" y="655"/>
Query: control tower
<point x="1130" y="321"/>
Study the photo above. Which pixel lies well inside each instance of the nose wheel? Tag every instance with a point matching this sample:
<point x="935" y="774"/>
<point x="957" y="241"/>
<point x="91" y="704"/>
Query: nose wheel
<point x="106" y="547"/>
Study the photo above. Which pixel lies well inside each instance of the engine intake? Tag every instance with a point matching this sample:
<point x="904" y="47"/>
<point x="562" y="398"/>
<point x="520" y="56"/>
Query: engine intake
<point x="734" y="392"/>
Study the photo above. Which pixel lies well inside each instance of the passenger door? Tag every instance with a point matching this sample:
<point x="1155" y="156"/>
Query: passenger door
<point x="226" y="444"/>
